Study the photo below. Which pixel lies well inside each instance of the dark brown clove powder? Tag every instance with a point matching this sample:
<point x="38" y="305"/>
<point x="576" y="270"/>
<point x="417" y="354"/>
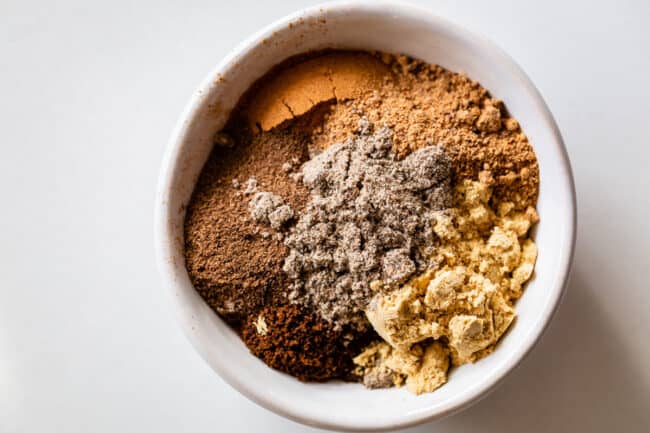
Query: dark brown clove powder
<point x="301" y="343"/>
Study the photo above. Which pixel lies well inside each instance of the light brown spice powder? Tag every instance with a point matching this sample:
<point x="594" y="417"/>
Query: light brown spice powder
<point x="425" y="104"/>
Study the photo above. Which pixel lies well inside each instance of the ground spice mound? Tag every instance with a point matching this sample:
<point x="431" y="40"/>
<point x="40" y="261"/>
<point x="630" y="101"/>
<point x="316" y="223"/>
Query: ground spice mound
<point x="369" y="220"/>
<point x="426" y="104"/>
<point x="300" y="344"/>
<point x="233" y="265"/>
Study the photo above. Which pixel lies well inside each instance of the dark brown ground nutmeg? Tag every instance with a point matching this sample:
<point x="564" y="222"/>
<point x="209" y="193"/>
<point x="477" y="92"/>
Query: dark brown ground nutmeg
<point x="235" y="266"/>
<point x="300" y="344"/>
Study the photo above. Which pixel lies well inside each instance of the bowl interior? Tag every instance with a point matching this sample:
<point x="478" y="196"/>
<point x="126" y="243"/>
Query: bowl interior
<point x="391" y="28"/>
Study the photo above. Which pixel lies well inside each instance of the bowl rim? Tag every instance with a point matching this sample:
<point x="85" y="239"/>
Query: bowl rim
<point x="164" y="239"/>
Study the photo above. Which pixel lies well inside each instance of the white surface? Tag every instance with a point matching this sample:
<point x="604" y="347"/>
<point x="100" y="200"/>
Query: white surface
<point x="88" y="97"/>
<point x="363" y="25"/>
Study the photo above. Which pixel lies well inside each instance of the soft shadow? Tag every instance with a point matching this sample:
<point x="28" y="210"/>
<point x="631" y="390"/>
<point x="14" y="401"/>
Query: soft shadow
<point x="579" y="378"/>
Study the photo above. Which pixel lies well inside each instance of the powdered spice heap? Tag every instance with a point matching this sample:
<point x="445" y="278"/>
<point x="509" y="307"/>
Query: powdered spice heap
<point x="233" y="266"/>
<point x="369" y="218"/>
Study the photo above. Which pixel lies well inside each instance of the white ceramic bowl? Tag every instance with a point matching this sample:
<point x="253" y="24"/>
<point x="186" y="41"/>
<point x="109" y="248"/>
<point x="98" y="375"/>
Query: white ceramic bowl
<point x="391" y="27"/>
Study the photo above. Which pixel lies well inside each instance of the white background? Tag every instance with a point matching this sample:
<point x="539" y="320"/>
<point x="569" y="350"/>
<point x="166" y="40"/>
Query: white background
<point x="89" y="93"/>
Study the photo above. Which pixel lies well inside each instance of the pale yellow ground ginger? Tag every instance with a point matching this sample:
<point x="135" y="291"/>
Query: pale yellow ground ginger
<point x="484" y="258"/>
<point x="433" y="369"/>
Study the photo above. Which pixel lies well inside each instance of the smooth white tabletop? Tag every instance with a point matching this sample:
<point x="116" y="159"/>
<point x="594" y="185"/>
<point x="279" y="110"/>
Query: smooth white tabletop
<point x="89" y="94"/>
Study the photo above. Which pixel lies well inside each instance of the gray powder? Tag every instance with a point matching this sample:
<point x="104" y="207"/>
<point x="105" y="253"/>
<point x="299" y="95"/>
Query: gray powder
<point x="370" y="217"/>
<point x="270" y="209"/>
<point x="376" y="378"/>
